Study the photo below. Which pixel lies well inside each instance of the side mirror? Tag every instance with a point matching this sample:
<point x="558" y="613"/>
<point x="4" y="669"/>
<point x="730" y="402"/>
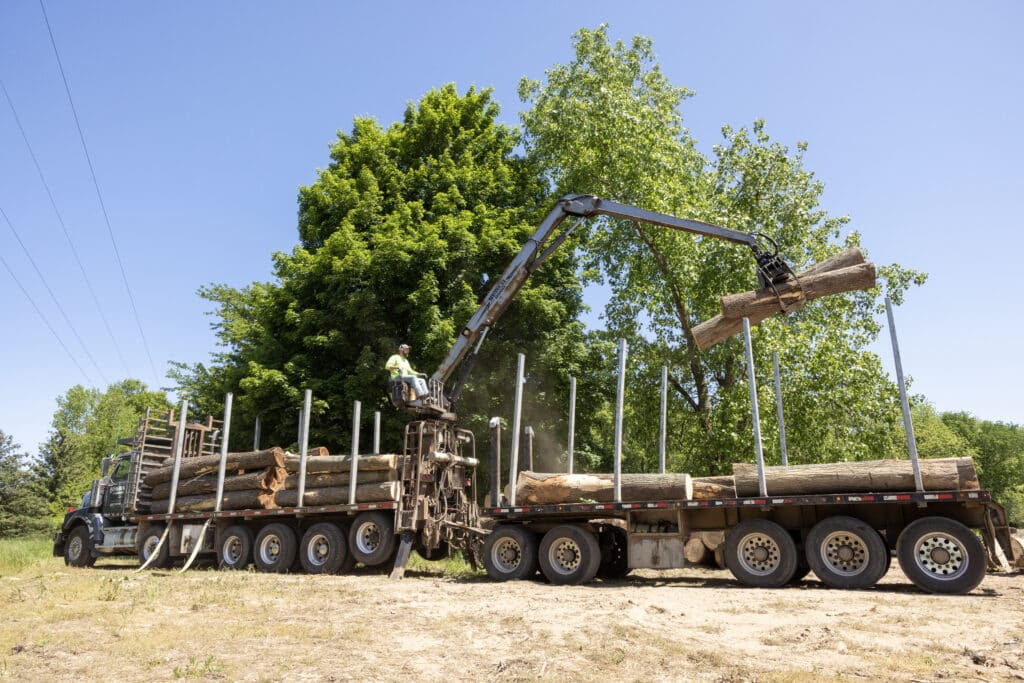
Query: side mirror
<point x="105" y="467"/>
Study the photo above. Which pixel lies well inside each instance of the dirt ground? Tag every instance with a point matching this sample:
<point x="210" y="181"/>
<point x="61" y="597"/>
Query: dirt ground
<point x="109" y="623"/>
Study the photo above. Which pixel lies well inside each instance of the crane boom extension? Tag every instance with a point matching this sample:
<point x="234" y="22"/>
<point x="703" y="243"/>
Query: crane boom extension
<point x="581" y="207"/>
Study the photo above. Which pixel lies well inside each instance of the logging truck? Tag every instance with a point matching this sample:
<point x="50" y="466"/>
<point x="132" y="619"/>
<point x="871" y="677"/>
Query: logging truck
<point x="846" y="533"/>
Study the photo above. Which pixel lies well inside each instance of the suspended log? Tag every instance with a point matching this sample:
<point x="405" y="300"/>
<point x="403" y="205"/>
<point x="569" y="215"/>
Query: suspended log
<point x="539" y="488"/>
<point x="707" y="490"/>
<point x="378" y="492"/>
<point x="696" y="552"/>
<point x="332" y="479"/>
<point x="268" y="479"/>
<point x="341" y="463"/>
<point x="231" y="500"/>
<point x="791" y="292"/>
<point x="851" y="256"/>
<point x="869" y="476"/>
<point x="236" y="462"/>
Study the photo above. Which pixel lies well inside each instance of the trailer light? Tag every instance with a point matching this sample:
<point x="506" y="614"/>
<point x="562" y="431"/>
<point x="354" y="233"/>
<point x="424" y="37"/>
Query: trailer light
<point x="71" y="508"/>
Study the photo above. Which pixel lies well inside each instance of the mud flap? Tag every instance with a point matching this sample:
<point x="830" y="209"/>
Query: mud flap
<point x="402" y="556"/>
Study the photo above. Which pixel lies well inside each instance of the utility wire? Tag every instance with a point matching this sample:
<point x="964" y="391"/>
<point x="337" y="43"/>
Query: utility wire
<point x="52" y="295"/>
<point x="47" y="322"/>
<point x="63" y="227"/>
<point x="99" y="195"/>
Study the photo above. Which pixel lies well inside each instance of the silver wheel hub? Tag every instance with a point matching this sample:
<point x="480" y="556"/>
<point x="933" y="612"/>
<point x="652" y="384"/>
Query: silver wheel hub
<point x="759" y="554"/>
<point x="150" y="547"/>
<point x="270" y="549"/>
<point x="318" y="550"/>
<point x="506" y="554"/>
<point x="75" y="548"/>
<point x="845" y="553"/>
<point x="940" y="555"/>
<point x="232" y="550"/>
<point x="565" y="556"/>
<point x="368" y="538"/>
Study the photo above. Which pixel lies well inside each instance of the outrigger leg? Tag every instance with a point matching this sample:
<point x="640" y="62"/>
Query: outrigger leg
<point x="402" y="556"/>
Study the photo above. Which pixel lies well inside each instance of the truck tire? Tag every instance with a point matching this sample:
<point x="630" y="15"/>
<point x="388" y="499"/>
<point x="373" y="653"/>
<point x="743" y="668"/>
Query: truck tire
<point x="941" y="555"/>
<point x="234" y="547"/>
<point x="275" y="548"/>
<point x="78" y="551"/>
<point x="614" y="554"/>
<point x="761" y="554"/>
<point x="510" y="553"/>
<point x="371" y="540"/>
<point x="323" y="549"/>
<point x="845" y="552"/>
<point x="569" y="555"/>
<point x="148" y="543"/>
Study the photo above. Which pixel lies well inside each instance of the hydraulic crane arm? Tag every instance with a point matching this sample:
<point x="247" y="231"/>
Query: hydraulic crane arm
<point x="770" y="268"/>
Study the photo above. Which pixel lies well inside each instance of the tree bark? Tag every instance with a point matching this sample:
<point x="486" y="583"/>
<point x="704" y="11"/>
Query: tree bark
<point x="334" y="479"/>
<point x="338" y="495"/>
<point x="805" y="288"/>
<point x="267" y="479"/>
<point x="844" y="259"/>
<point x="870" y="476"/>
<point x="236" y="462"/>
<point x="538" y="488"/>
<point x="706" y="490"/>
<point x="232" y="500"/>
<point x="696" y="552"/>
<point x="341" y="463"/>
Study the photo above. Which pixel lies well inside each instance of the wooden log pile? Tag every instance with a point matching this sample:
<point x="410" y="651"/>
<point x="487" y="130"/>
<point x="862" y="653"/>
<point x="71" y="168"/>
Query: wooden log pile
<point x="269" y="480"/>
<point x="542" y="488"/>
<point x="844" y="272"/>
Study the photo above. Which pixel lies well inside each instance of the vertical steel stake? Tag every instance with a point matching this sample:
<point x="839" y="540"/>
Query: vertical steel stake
<point x="572" y="423"/>
<point x="256" y="435"/>
<point x="376" y="432"/>
<point x="664" y="420"/>
<point x="179" y="447"/>
<point x="496" y="461"/>
<point x="620" y="399"/>
<point x="354" y="470"/>
<point x="303" y="444"/>
<point x="755" y="413"/>
<point x="222" y="466"/>
<point x="908" y="424"/>
<point x="517" y="414"/>
<point x="529" y="448"/>
<point x="778" y="407"/>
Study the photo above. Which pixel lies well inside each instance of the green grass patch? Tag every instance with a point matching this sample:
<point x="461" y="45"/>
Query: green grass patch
<point x="18" y="553"/>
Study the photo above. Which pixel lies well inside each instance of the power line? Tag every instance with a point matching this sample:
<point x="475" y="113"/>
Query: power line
<point x="67" y="235"/>
<point x="52" y="295"/>
<point x="47" y="322"/>
<point x="99" y="195"/>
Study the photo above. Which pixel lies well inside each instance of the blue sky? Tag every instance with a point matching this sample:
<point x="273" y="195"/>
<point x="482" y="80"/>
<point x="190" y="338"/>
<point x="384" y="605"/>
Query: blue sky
<point x="203" y="119"/>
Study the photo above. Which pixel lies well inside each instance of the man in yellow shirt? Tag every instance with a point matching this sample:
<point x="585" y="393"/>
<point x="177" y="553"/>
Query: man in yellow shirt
<point x="400" y="368"/>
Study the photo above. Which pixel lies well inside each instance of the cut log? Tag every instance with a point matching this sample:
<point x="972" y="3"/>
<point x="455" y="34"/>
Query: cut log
<point x="341" y="463"/>
<point x="331" y="479"/>
<point x="539" y="488"/>
<point x="268" y="479"/>
<point x="696" y="552"/>
<point x="851" y="256"/>
<point x="712" y="539"/>
<point x="232" y="500"/>
<point x="869" y="476"/>
<point x="707" y="490"/>
<point x="805" y="288"/>
<point x="720" y="557"/>
<point x="236" y="462"/>
<point x="1017" y="546"/>
<point x="338" y="495"/>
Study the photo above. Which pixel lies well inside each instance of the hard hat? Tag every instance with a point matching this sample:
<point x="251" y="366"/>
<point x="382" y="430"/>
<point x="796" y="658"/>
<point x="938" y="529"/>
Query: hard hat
<point x="405" y="347"/>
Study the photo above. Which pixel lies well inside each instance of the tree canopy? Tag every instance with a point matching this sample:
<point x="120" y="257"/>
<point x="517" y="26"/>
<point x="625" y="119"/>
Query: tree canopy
<point x="23" y="499"/>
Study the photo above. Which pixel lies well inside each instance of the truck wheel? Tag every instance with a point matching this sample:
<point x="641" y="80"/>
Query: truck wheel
<point x="78" y="551"/>
<point x="569" y="554"/>
<point x="234" y="547"/>
<point x="614" y="554"/>
<point x="275" y="549"/>
<point x="323" y="549"/>
<point x="760" y="553"/>
<point x="147" y="545"/>
<point x="941" y="555"/>
<point x="845" y="552"/>
<point x="510" y="553"/>
<point x="372" y="538"/>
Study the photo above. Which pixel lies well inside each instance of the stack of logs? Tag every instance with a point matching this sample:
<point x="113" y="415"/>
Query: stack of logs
<point x="705" y="547"/>
<point x="269" y="479"/>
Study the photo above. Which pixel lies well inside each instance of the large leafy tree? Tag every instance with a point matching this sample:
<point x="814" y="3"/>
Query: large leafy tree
<point x="998" y="451"/>
<point x="86" y="427"/>
<point x="610" y="123"/>
<point x="399" y="238"/>
<point x="23" y="499"/>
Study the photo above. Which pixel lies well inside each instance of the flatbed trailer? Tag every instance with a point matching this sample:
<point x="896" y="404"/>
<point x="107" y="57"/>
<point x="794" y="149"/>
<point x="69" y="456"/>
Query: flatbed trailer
<point x="767" y="541"/>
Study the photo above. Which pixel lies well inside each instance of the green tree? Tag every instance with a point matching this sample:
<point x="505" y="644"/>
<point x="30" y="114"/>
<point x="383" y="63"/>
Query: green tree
<point x="610" y="123"/>
<point x="399" y="238"/>
<point x="23" y="500"/>
<point x="85" y="428"/>
<point x="998" y="450"/>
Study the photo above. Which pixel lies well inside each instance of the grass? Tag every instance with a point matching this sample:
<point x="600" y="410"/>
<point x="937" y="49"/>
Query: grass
<point x="17" y="554"/>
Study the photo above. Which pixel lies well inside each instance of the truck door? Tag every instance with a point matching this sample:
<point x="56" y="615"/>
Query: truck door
<point x="113" y="502"/>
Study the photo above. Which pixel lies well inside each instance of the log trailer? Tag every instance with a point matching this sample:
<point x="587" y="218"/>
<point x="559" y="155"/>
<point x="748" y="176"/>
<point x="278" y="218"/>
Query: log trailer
<point x="769" y="541"/>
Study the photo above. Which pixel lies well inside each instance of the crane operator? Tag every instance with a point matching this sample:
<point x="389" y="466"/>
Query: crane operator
<point x="400" y="368"/>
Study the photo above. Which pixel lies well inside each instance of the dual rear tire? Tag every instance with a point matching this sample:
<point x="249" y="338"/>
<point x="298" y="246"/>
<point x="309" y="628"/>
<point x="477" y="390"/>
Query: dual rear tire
<point x="568" y="554"/>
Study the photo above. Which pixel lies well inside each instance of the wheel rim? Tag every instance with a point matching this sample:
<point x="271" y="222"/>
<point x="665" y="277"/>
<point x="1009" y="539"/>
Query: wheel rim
<point x="318" y="550"/>
<point x="941" y="556"/>
<point x="270" y="549"/>
<point x="231" y="551"/>
<point x="845" y="553"/>
<point x="75" y="548"/>
<point x="565" y="556"/>
<point x="149" y="547"/>
<point x="368" y="538"/>
<point x="506" y="555"/>
<point x="759" y="554"/>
